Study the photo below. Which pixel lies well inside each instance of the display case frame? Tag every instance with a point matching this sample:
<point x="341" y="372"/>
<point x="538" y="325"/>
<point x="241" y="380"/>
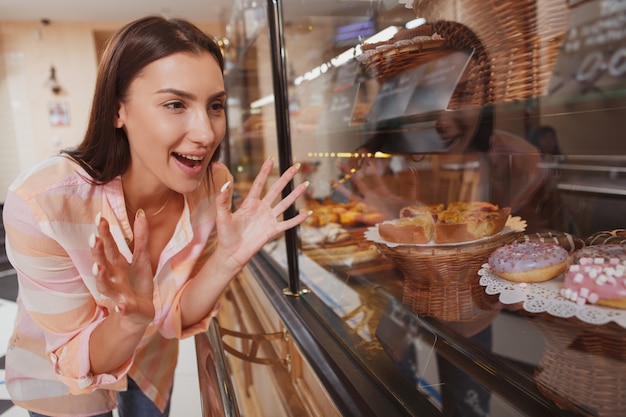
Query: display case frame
<point x="362" y="374"/>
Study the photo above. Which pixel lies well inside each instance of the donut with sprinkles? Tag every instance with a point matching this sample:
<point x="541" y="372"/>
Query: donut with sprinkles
<point x="532" y="261"/>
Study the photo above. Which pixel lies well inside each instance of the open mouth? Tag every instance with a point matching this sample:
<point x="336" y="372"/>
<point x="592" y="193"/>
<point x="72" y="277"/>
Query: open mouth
<point x="449" y="141"/>
<point x="189" y="160"/>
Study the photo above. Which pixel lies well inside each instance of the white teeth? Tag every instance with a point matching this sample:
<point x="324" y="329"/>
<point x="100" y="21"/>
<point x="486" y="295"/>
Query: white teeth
<point x="191" y="157"/>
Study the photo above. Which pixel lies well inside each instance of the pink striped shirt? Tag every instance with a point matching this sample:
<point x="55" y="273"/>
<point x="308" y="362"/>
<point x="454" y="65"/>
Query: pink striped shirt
<point x="49" y="215"/>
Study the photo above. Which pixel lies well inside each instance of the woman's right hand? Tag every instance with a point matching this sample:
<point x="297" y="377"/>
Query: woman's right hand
<point x="242" y="233"/>
<point x="127" y="287"/>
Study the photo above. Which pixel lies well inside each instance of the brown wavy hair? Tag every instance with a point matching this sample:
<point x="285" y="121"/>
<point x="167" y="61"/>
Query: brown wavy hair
<point x="104" y="151"/>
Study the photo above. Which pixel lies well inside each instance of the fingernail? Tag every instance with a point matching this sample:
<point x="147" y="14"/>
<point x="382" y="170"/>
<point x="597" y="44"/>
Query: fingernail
<point x="117" y="308"/>
<point x="306" y="183"/>
<point x="310" y="212"/>
<point x="225" y="187"/>
<point x="95" y="269"/>
<point x="271" y="157"/>
<point x="140" y="213"/>
<point x="92" y="241"/>
<point x="297" y="165"/>
<point x="98" y="218"/>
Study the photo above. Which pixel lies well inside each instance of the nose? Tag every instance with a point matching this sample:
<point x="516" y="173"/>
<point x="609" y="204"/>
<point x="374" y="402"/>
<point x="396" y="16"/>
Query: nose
<point x="202" y="128"/>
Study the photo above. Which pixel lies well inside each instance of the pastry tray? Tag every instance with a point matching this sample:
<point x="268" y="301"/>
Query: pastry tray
<point x="514" y="224"/>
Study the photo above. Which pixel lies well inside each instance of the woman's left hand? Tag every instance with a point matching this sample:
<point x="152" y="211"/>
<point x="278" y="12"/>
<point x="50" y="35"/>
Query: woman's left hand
<point x="242" y="233"/>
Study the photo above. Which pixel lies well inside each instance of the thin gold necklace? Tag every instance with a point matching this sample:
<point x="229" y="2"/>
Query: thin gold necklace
<point x="153" y="214"/>
<point x="156" y="212"/>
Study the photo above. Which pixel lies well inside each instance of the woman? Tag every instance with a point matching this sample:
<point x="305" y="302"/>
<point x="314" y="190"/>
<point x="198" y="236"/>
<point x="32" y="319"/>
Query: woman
<point x="102" y="305"/>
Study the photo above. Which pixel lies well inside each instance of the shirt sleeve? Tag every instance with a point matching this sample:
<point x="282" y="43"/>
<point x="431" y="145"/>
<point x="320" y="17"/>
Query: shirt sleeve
<point x="175" y="320"/>
<point x="62" y="310"/>
<point x="172" y="323"/>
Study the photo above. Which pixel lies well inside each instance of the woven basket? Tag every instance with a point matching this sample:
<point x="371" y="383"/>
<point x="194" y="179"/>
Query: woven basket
<point x="474" y="90"/>
<point x="442" y="281"/>
<point x="518" y="41"/>
<point x="583" y="367"/>
<point x="397" y="60"/>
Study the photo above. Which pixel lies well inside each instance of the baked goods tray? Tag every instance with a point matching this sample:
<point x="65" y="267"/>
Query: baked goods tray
<point x="514" y="224"/>
<point x="351" y="255"/>
<point x="545" y="297"/>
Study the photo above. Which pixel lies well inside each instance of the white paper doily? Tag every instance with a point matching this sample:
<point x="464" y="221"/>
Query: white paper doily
<point x="544" y="297"/>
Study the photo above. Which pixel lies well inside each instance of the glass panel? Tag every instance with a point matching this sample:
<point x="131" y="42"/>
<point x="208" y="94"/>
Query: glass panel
<point x="517" y="106"/>
<point x="248" y="76"/>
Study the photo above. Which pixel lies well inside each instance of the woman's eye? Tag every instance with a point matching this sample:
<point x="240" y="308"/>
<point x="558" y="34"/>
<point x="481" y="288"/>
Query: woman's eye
<point x="175" y="105"/>
<point x="216" y="107"/>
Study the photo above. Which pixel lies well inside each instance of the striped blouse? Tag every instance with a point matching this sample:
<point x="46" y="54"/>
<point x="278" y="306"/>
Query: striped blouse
<point x="49" y="214"/>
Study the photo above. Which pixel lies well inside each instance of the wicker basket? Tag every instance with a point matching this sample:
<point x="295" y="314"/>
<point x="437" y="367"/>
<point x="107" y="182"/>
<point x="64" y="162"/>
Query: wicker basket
<point x="517" y="42"/>
<point x="456" y="37"/>
<point x="583" y="367"/>
<point x="400" y="59"/>
<point x="442" y="280"/>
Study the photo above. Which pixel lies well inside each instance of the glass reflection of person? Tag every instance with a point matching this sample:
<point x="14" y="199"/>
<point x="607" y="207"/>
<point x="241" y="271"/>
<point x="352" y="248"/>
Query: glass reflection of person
<point x="546" y="140"/>
<point x="510" y="175"/>
<point x="549" y="207"/>
<point x="510" y="169"/>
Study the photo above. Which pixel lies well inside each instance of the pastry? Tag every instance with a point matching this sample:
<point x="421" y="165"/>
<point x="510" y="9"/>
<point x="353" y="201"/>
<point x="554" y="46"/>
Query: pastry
<point x="605" y="251"/>
<point x="597" y="281"/>
<point x="528" y="261"/>
<point x="465" y="221"/>
<point x="459" y="222"/>
<point x="412" y="211"/>
<point x="344" y="214"/>
<point x="617" y="236"/>
<point x="569" y="242"/>
<point x="415" y="229"/>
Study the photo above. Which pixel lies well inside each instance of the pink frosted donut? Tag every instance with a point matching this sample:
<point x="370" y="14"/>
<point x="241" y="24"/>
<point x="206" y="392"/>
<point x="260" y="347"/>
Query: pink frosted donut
<point x="528" y="261"/>
<point x="597" y="281"/>
<point x="606" y="251"/>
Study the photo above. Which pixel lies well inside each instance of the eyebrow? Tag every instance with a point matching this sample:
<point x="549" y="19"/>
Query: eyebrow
<point x="189" y="96"/>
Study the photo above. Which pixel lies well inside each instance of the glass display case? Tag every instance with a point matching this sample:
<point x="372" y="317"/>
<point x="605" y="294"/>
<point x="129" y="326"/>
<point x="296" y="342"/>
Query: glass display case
<point x="393" y="108"/>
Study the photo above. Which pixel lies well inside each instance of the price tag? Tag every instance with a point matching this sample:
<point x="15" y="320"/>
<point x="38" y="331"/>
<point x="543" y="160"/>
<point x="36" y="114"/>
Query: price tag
<point x="440" y="79"/>
<point x="425" y="88"/>
<point x="394" y="95"/>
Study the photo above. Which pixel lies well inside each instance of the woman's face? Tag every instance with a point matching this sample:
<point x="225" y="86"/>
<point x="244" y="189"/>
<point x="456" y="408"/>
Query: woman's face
<point x="174" y="118"/>
<point x="456" y="128"/>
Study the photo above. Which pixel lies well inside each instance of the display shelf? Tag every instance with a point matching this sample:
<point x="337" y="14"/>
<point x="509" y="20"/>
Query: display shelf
<point x="367" y="346"/>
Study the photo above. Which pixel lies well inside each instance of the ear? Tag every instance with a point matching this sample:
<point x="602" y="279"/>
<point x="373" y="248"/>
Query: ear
<point x="120" y="117"/>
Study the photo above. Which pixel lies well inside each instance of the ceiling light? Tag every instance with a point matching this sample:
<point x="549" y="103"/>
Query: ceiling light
<point x="412" y="24"/>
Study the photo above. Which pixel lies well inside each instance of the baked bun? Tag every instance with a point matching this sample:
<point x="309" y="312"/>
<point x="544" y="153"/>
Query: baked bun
<point x="567" y="241"/>
<point x="345" y="214"/>
<point x="597" y="281"/>
<point x="459" y="222"/>
<point x="465" y="221"/>
<point x="416" y="229"/>
<point x="528" y="261"/>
